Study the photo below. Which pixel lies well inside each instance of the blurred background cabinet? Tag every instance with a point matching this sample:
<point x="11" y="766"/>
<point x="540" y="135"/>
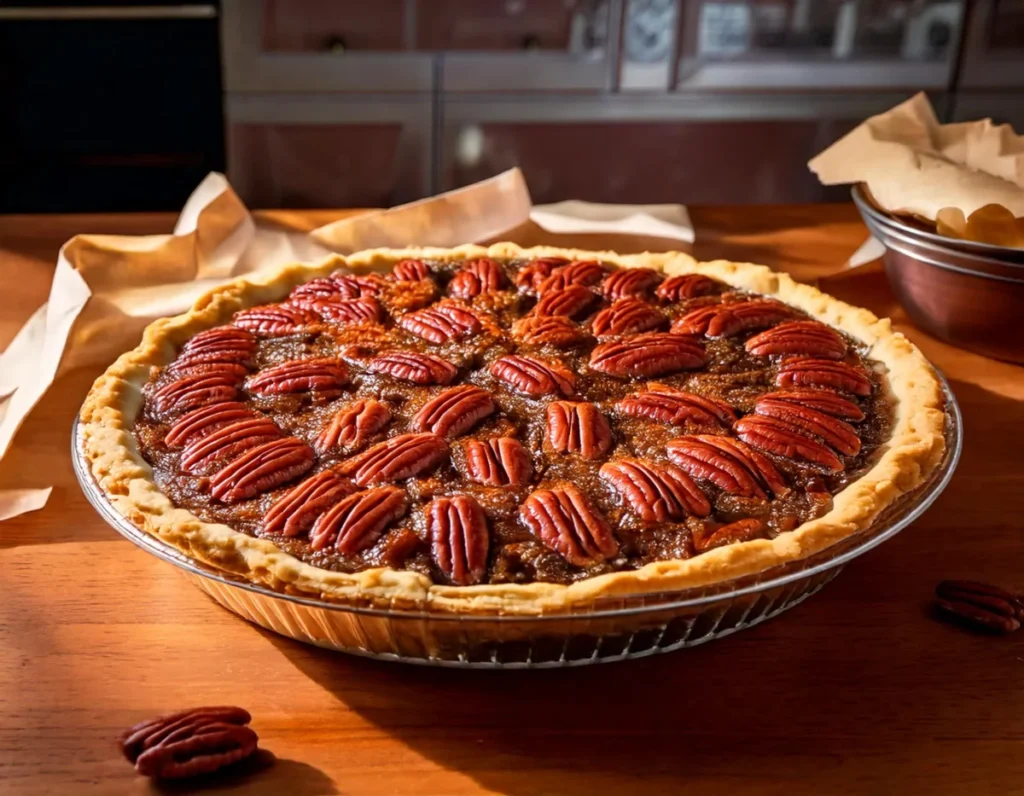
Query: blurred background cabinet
<point x="818" y="44"/>
<point x="311" y="150"/>
<point x="625" y="149"/>
<point x="991" y="78"/>
<point x="348" y="102"/>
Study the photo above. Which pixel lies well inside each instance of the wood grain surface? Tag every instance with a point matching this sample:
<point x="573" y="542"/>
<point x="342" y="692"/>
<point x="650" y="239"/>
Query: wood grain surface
<point x="856" y="691"/>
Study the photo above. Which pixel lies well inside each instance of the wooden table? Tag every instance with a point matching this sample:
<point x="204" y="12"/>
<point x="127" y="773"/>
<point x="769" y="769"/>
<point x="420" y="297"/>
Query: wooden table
<point x="855" y="691"/>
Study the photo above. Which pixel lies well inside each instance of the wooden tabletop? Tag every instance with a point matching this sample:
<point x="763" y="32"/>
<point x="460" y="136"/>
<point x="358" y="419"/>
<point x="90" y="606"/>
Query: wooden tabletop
<point x="855" y="691"/>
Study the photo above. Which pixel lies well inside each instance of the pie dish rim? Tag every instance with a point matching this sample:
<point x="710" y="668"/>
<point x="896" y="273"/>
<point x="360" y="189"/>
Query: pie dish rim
<point x="914" y="450"/>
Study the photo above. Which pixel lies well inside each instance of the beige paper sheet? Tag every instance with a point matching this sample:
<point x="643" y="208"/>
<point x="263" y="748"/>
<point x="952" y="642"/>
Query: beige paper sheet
<point x="914" y="165"/>
<point x="107" y="289"/>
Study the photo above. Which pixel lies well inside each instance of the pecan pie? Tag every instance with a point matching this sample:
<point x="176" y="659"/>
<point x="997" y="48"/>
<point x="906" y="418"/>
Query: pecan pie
<point x="508" y="429"/>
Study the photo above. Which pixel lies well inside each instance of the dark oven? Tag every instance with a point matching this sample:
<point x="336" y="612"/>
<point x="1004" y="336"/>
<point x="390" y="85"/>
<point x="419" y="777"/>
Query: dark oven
<point x="107" y="107"/>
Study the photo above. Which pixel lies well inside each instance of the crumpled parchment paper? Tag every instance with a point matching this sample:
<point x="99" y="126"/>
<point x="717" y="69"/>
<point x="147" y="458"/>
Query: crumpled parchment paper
<point x="107" y="288"/>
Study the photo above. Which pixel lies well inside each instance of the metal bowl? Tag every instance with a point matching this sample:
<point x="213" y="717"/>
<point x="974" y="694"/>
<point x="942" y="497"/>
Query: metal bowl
<point x="607" y="630"/>
<point x="968" y="294"/>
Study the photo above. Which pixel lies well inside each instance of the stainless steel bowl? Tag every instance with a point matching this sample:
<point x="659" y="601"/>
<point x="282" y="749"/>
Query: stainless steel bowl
<point x="968" y="294"/>
<point x="607" y="630"/>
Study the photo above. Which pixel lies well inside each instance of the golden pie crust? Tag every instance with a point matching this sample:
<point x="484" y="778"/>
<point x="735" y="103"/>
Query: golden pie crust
<point x="915" y="449"/>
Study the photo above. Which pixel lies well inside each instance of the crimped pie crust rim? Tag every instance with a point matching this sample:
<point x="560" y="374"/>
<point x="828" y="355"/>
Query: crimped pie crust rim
<point x="915" y="449"/>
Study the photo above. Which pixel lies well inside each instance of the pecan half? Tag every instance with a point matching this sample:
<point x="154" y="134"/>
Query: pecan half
<point x="483" y="275"/>
<point x="565" y="521"/>
<point x="728" y="464"/>
<point x="696" y="321"/>
<point x="353" y="286"/>
<point x="499" y="461"/>
<point x="413" y="367"/>
<point x="359" y="520"/>
<point x="190" y="743"/>
<point x="275" y="319"/>
<point x="553" y="330"/>
<point x="533" y="377"/>
<point x="404" y="456"/>
<point x="223" y="344"/>
<point x="740" y="316"/>
<point x="261" y="469"/>
<point x="685" y="286"/>
<point x="454" y="411"/>
<point x="630" y="283"/>
<point x="531" y="275"/>
<point x="580" y="272"/>
<point x="655" y="492"/>
<point x="322" y="288"/>
<point x="676" y="407"/>
<point x="190" y="392"/>
<point x="811" y="372"/>
<point x="820" y="400"/>
<point x="349" y="311"/>
<point x="627" y="316"/>
<point x="233" y="370"/>
<point x="335" y="288"/>
<point x="648" y="355"/>
<point x="300" y="375"/>
<point x="445" y="321"/>
<point x="832" y="430"/>
<point x="219" y="337"/>
<point x="295" y="512"/>
<point x="409" y="271"/>
<point x="805" y="338"/>
<point x="980" y="605"/>
<point x="785" y="439"/>
<point x="459" y="538"/>
<point x="571" y="302"/>
<point x="227" y="442"/>
<point x="578" y="428"/>
<point x="353" y="425"/>
<point x="726" y="320"/>
<point x="739" y="531"/>
<point x="204" y="420"/>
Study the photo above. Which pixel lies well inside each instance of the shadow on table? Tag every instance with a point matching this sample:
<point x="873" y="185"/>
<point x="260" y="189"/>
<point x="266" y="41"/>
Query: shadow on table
<point x="993" y="427"/>
<point x="274" y="775"/>
<point x="682" y="716"/>
<point x="799" y="697"/>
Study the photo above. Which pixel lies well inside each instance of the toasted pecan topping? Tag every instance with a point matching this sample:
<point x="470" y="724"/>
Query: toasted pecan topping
<point x="510" y="421"/>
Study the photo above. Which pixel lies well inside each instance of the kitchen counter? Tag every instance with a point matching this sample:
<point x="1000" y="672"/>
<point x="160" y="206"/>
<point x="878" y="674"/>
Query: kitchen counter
<point x="856" y="690"/>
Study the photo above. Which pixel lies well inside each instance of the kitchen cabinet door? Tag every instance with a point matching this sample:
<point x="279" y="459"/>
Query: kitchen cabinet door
<point x="335" y="151"/>
<point x="993" y="55"/>
<point x="817" y="44"/>
<point x="525" y="45"/>
<point x="322" y="45"/>
<point x="625" y="151"/>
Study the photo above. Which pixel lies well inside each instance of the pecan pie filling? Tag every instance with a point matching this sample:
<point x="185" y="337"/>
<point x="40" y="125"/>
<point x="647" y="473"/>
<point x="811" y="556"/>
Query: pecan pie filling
<point x="507" y="422"/>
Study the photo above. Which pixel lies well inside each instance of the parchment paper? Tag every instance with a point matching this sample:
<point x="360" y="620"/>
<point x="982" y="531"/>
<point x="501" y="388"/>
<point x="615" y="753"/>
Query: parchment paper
<point x="107" y="288"/>
<point x="914" y="165"/>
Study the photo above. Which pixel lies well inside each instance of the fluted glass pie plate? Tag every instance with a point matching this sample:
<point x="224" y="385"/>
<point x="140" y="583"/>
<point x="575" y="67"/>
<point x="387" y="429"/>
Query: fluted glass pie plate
<point x="610" y="629"/>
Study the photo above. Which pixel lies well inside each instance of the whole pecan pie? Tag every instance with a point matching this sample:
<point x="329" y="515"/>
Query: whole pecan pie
<point x="508" y="429"/>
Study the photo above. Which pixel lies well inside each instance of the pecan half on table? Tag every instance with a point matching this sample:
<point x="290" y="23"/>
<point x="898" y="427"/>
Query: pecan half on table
<point x="190" y="743"/>
<point x="979" y="606"/>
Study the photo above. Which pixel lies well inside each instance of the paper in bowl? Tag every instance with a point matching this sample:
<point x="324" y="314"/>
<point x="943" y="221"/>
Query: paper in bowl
<point x="913" y="165"/>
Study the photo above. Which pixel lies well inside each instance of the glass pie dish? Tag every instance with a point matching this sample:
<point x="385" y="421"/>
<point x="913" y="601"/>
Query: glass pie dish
<point x="608" y="629"/>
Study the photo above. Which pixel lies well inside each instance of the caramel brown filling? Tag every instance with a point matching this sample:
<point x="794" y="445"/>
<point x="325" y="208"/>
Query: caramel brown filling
<point x="515" y="421"/>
